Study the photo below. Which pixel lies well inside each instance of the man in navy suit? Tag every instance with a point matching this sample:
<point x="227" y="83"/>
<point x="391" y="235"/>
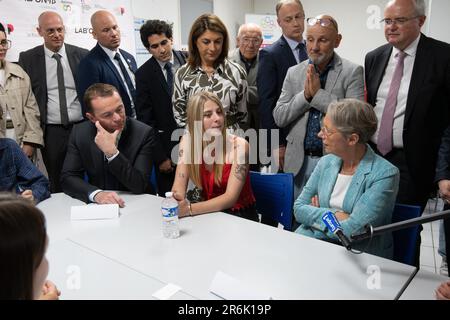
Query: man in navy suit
<point x="154" y="88"/>
<point x="106" y="63"/>
<point x="274" y="61"/>
<point x="408" y="83"/>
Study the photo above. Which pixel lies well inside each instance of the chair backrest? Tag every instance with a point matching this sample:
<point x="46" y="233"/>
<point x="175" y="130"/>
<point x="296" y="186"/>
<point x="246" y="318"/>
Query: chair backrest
<point x="405" y="239"/>
<point x="274" y="195"/>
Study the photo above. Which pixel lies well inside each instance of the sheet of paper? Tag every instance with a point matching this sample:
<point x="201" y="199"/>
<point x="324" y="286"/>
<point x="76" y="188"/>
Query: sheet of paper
<point x="229" y="288"/>
<point x="165" y="293"/>
<point x="95" y="212"/>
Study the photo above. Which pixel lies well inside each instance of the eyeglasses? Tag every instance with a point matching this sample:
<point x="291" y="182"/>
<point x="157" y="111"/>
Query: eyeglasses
<point x="6" y="44"/>
<point x="400" y="21"/>
<point x="254" y="41"/>
<point x="51" y="32"/>
<point x="327" y="132"/>
<point x="324" y="22"/>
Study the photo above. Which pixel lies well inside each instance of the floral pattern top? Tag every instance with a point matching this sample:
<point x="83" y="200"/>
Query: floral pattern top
<point x="228" y="82"/>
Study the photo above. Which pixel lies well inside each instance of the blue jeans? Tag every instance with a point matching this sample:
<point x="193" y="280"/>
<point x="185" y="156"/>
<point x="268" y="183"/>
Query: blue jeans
<point x="441" y="249"/>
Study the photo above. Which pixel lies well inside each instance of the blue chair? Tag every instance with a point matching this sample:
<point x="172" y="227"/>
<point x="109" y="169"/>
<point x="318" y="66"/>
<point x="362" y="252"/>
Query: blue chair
<point x="274" y="195"/>
<point x="405" y="239"/>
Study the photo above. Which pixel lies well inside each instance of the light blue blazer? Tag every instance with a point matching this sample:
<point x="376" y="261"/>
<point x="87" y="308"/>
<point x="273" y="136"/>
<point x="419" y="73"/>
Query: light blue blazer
<point x="370" y="199"/>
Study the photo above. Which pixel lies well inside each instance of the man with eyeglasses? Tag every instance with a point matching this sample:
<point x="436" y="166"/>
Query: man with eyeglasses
<point x="107" y="63"/>
<point x="52" y="68"/>
<point x="246" y="54"/>
<point x="308" y="90"/>
<point x="408" y="83"/>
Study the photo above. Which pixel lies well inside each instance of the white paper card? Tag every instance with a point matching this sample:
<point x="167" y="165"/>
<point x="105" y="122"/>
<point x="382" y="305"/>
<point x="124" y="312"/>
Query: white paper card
<point x="95" y="211"/>
<point x="165" y="293"/>
<point x="229" y="288"/>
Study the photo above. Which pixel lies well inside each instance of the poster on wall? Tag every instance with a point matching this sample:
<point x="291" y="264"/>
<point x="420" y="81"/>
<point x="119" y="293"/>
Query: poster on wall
<point x="21" y="16"/>
<point x="269" y="25"/>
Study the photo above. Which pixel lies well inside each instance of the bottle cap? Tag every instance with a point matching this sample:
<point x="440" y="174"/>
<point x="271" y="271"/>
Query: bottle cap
<point x="169" y="194"/>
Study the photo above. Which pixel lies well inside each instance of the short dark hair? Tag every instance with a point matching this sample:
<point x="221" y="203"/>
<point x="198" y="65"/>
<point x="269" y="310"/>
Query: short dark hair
<point x="204" y="23"/>
<point x="151" y="27"/>
<point x="97" y="90"/>
<point x="23" y="239"/>
<point x="2" y="28"/>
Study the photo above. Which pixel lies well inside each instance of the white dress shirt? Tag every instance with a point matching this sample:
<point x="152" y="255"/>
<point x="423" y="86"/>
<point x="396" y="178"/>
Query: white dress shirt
<point x="53" y="105"/>
<point x="340" y="190"/>
<point x="402" y="98"/>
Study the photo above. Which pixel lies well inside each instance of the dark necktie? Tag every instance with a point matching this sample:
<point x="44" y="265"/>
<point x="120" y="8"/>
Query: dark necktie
<point x="168" y="68"/>
<point x="302" y="55"/>
<point x="127" y="78"/>
<point x="385" y="141"/>
<point x="61" y="91"/>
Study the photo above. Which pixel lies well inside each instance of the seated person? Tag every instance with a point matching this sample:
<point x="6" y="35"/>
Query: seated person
<point x="443" y="291"/>
<point x="216" y="162"/>
<point x="18" y="174"/>
<point x="23" y="239"/>
<point x="354" y="183"/>
<point x="114" y="151"/>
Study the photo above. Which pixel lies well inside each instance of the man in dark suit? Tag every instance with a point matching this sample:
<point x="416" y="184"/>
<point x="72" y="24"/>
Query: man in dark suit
<point x="274" y="61"/>
<point x="114" y="151"/>
<point x="106" y="63"/>
<point x="52" y="69"/>
<point x="408" y="84"/>
<point x="154" y="88"/>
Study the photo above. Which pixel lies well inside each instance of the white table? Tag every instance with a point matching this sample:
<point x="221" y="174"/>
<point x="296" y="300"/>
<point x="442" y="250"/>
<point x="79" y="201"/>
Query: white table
<point x="282" y="264"/>
<point x="423" y="286"/>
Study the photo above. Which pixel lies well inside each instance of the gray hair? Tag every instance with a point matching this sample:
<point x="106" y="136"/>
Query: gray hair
<point x="353" y="116"/>
<point x="281" y="3"/>
<point x="249" y="25"/>
<point x="419" y="7"/>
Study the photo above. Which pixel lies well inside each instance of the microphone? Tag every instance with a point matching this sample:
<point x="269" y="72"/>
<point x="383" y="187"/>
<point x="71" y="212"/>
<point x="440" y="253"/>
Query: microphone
<point x="335" y="227"/>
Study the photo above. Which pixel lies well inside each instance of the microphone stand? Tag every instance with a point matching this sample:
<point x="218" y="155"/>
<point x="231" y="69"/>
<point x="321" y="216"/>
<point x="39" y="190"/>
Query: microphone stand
<point x="370" y="231"/>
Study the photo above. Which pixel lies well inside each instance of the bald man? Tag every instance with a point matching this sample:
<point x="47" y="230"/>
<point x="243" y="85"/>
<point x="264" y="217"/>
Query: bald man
<point x="308" y="90"/>
<point x="107" y="63"/>
<point x="57" y="98"/>
<point x="246" y="54"/>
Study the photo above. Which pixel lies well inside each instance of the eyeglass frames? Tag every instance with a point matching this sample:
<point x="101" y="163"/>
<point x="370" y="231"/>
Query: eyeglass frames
<point x="6" y="44"/>
<point x="324" y="22"/>
<point x="397" y="21"/>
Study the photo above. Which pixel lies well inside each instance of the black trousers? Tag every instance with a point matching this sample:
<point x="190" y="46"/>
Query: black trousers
<point x="409" y="192"/>
<point x="56" y="139"/>
<point x="447" y="235"/>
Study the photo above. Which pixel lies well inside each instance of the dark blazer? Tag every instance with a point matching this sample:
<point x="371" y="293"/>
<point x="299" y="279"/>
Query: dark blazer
<point x="154" y="103"/>
<point x="129" y="171"/>
<point x="97" y="67"/>
<point x="33" y="62"/>
<point x="427" y="107"/>
<point x="274" y="62"/>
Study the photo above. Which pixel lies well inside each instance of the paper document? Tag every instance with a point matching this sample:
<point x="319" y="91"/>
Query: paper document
<point x="229" y="288"/>
<point x="95" y="212"/>
<point x="166" y="292"/>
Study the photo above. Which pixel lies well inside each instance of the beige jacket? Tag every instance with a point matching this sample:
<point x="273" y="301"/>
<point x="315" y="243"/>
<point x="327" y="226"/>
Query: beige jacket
<point x="17" y="98"/>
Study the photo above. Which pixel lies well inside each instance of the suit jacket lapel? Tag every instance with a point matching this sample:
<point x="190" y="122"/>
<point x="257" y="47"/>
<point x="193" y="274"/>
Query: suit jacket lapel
<point x="288" y="52"/>
<point x="42" y="72"/>
<point x="380" y="63"/>
<point x="330" y="175"/>
<point x="333" y="74"/>
<point x="158" y="73"/>
<point x="418" y="76"/>
<point x="111" y="66"/>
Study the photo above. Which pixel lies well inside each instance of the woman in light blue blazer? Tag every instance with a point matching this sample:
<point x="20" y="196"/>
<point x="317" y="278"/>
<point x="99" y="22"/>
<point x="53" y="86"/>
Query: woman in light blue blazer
<point x="354" y="183"/>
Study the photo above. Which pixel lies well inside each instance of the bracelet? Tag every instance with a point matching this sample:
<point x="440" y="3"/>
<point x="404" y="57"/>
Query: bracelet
<point x="190" y="209"/>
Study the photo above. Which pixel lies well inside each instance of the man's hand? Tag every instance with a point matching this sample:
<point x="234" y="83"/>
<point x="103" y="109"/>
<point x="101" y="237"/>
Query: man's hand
<point x="106" y="141"/>
<point x="49" y="291"/>
<point x="443" y="291"/>
<point x="444" y="190"/>
<point x="312" y="83"/>
<point x="315" y="202"/>
<point x="166" y="166"/>
<point x="28" y="150"/>
<point x="27" y="194"/>
<point x="279" y="155"/>
<point x="109" y="197"/>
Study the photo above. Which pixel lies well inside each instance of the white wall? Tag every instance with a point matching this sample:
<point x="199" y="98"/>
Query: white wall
<point x="439" y="20"/>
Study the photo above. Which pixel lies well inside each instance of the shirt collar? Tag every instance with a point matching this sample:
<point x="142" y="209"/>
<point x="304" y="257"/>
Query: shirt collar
<point x="49" y="53"/>
<point x="411" y="50"/>
<point x="163" y="64"/>
<point x="111" y="54"/>
<point x="292" y="43"/>
<point x="219" y="68"/>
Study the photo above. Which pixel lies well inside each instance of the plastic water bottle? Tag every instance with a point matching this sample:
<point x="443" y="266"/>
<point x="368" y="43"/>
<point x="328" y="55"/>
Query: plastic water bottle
<point x="169" y="210"/>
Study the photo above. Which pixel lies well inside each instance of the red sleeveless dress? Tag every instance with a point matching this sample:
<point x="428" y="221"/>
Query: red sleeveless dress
<point x="245" y="205"/>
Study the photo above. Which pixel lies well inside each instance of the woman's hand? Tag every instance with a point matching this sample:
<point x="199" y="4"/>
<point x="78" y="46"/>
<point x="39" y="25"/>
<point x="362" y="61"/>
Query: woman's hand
<point x="183" y="208"/>
<point x="341" y="216"/>
<point x="443" y="291"/>
<point x="27" y="194"/>
<point x="315" y="202"/>
<point x="49" y="291"/>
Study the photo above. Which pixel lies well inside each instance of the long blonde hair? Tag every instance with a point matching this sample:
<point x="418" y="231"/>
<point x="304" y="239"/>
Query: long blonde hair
<point x="198" y="144"/>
